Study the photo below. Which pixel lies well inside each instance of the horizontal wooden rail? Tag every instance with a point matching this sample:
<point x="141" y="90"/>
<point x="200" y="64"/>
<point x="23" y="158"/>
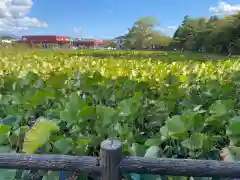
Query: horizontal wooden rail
<point x="180" y="167"/>
<point x="111" y="165"/>
<point x="174" y="167"/>
<point x="50" y="162"/>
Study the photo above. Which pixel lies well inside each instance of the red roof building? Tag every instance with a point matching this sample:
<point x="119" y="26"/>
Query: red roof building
<point x="44" y="39"/>
<point x="59" y="40"/>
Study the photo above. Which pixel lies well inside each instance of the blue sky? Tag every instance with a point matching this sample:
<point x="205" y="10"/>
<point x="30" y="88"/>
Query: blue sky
<point x="104" y="18"/>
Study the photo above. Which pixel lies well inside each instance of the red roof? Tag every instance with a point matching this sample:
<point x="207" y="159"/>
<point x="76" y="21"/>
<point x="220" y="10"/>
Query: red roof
<point x="54" y="39"/>
<point x="45" y="38"/>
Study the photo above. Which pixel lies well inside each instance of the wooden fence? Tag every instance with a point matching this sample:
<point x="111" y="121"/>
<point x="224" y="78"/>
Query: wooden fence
<point x="110" y="165"/>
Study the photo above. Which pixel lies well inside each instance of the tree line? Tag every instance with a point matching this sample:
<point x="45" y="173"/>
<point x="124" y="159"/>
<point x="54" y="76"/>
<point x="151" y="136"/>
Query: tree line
<point x="214" y="35"/>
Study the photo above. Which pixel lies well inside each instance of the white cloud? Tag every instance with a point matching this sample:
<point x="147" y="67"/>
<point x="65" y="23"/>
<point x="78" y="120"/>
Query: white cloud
<point x="77" y="30"/>
<point x="13" y="16"/>
<point x="224" y="8"/>
<point x="172" y="28"/>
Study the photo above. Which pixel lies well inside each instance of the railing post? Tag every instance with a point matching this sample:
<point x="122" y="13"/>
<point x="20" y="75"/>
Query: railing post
<point x="110" y="159"/>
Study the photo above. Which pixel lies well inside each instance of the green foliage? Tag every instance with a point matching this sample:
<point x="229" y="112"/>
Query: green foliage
<point x="38" y="135"/>
<point x="67" y="103"/>
<point x="142" y="34"/>
<point x="216" y="35"/>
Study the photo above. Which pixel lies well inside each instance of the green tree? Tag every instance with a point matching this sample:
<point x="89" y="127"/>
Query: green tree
<point x="218" y="35"/>
<point x="159" y="39"/>
<point x="140" y="35"/>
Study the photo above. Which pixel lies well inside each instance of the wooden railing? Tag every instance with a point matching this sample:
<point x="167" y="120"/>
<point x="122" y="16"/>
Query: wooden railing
<point x="110" y="165"/>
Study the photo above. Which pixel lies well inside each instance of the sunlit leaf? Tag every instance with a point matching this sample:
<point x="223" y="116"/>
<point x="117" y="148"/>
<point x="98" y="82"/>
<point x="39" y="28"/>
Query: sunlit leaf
<point x="4" y="130"/>
<point x="38" y="135"/>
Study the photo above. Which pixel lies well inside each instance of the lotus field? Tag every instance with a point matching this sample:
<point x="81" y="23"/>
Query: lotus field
<point x="159" y="104"/>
